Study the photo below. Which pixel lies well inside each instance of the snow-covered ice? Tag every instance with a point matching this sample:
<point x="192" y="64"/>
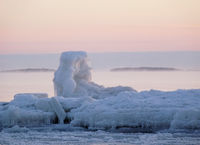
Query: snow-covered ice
<point x="62" y="135"/>
<point x="79" y="102"/>
<point x="144" y="111"/>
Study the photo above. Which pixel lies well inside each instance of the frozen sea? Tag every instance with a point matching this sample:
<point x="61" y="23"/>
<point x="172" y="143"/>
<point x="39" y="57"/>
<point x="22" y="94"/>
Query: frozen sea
<point x="64" y="135"/>
<point x="33" y="82"/>
<point x="30" y="82"/>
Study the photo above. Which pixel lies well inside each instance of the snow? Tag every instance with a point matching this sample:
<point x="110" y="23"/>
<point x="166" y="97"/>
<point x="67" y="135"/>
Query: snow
<point x="65" y="135"/>
<point x="86" y="104"/>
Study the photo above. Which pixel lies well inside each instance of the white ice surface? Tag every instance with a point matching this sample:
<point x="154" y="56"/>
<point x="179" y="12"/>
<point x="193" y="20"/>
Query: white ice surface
<point x="86" y="104"/>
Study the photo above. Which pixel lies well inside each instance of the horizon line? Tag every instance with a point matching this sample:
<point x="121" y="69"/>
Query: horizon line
<point x="101" y="52"/>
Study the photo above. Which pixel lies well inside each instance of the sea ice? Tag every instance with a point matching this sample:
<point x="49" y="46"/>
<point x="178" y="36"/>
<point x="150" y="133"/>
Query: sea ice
<point x="84" y="103"/>
<point x="58" y="109"/>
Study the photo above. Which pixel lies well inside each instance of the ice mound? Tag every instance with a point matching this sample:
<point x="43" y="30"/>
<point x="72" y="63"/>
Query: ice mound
<point x="24" y="110"/>
<point x="73" y="78"/>
<point x="73" y="71"/>
<point x="80" y="102"/>
<point x="143" y="111"/>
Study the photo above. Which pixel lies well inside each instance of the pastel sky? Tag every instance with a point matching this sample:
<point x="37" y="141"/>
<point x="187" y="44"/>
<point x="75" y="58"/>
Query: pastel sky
<point x="48" y="26"/>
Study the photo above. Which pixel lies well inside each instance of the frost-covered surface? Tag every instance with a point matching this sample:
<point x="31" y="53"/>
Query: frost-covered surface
<point x="82" y="103"/>
<point x="62" y="135"/>
<point x="138" y="111"/>
<point x="148" y="110"/>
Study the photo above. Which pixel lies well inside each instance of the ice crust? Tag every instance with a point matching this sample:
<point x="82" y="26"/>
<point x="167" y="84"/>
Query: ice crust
<point x="81" y="103"/>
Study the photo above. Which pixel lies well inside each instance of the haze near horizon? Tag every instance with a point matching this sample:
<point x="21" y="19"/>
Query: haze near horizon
<point x="50" y="26"/>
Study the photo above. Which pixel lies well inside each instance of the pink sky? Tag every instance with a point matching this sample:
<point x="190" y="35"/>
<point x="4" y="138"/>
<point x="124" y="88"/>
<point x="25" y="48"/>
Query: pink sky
<point x="48" y="26"/>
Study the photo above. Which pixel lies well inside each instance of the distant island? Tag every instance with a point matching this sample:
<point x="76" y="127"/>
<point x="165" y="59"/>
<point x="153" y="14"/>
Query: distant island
<point x="145" y="69"/>
<point x="30" y="70"/>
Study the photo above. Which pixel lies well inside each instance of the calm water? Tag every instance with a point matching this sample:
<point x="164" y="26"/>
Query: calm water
<point x="30" y="82"/>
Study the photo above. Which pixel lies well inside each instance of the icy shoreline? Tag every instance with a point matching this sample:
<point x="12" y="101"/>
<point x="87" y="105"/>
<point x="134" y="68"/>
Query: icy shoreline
<point x="79" y="102"/>
<point x="146" y="111"/>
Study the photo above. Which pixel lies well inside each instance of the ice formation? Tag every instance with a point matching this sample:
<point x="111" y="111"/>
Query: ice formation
<point x="82" y="103"/>
<point x="73" y="78"/>
<point x="73" y="70"/>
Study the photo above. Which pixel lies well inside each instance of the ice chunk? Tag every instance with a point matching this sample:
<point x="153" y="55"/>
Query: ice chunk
<point x="72" y="103"/>
<point x="27" y="99"/>
<point x="186" y="119"/>
<point x="24" y="100"/>
<point x="10" y="116"/>
<point x="73" y="69"/>
<point x="44" y="105"/>
<point x="143" y="111"/>
<point x="57" y="108"/>
<point x="26" y="109"/>
<point x="14" y="115"/>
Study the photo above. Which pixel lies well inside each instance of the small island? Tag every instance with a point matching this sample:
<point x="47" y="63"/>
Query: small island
<point x="30" y="70"/>
<point x="144" y="69"/>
